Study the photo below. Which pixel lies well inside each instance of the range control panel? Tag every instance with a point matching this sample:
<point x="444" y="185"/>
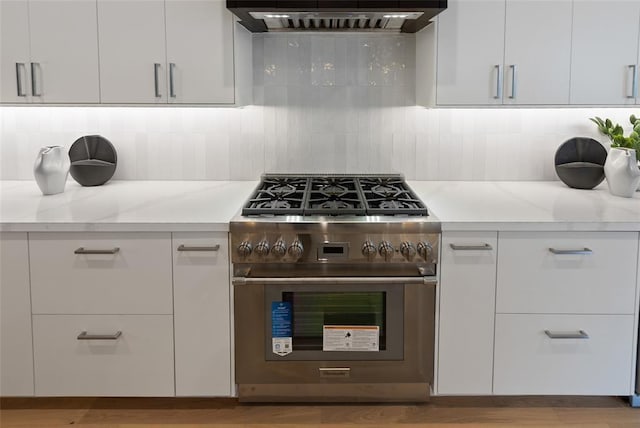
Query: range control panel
<point x="310" y="248"/>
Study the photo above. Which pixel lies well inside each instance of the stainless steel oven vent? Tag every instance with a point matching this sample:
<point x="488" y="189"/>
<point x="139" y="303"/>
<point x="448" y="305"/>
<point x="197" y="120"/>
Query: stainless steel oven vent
<point x="335" y="21"/>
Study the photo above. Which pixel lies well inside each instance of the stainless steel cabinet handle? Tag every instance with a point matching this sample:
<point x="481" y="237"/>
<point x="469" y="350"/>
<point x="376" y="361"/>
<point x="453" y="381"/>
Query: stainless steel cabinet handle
<point x="83" y="250"/>
<point x="20" y="66"/>
<point x="34" y="90"/>
<point x="634" y="81"/>
<point x="172" y="92"/>
<point x="426" y="280"/>
<point x="514" y="81"/>
<point x="583" y="251"/>
<point x="498" y="95"/>
<point x="580" y="334"/>
<point x="86" y="336"/>
<point x="156" y="81"/>
<point x="185" y="248"/>
<point x="483" y="247"/>
<point x="334" y="371"/>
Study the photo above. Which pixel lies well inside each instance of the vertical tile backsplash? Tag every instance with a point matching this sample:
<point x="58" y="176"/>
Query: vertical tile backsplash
<point x="323" y="103"/>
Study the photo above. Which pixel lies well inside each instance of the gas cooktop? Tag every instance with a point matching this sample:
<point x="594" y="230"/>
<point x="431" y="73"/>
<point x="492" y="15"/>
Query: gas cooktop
<point x="333" y="195"/>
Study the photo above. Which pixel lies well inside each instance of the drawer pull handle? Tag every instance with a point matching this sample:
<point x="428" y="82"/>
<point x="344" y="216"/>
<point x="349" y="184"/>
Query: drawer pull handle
<point x="86" y="336"/>
<point x="483" y="247"/>
<point x="583" y="251"/>
<point x="185" y="248"/>
<point x="83" y="250"/>
<point x="581" y="334"/>
<point x="334" y="371"/>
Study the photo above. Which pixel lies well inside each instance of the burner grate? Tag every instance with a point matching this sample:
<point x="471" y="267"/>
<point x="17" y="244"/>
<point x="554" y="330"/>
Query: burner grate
<point x="334" y="195"/>
<point x="278" y="195"/>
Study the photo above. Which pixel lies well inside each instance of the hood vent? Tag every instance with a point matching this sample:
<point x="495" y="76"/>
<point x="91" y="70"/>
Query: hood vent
<point x="398" y="16"/>
<point x="333" y="21"/>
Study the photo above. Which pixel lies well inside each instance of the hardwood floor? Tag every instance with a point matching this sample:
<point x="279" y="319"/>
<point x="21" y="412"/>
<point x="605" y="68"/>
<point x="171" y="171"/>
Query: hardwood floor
<point x="441" y="412"/>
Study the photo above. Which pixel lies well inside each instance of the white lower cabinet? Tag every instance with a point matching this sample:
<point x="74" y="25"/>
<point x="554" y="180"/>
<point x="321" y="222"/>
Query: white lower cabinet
<point x="101" y="273"/>
<point x="533" y="357"/>
<point x="467" y="309"/>
<point x="16" y="354"/>
<point x="136" y="362"/>
<point x="202" y="316"/>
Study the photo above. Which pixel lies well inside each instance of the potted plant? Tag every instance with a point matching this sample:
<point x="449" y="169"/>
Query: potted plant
<point x="622" y="166"/>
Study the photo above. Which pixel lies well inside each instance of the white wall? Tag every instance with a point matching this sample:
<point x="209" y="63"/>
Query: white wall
<point x="324" y="103"/>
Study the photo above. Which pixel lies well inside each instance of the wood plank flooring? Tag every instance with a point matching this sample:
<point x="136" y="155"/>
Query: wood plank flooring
<point x="441" y="412"/>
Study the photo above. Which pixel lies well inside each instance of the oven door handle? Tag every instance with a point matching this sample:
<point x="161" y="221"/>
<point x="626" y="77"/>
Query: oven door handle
<point x="426" y="280"/>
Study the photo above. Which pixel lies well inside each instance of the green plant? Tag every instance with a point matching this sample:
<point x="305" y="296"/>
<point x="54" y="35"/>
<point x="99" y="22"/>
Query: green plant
<point x="615" y="133"/>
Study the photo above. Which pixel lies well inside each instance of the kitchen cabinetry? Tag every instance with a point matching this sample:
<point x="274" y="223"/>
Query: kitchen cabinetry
<point x="202" y="314"/>
<point x="133" y="63"/>
<point x="102" y="314"/>
<point x="566" y="311"/>
<point x="467" y="308"/>
<point x="604" y="61"/>
<point x="152" y="51"/>
<point x="16" y="356"/>
<point x="206" y="74"/>
<point x="49" y="51"/>
<point x="520" y="56"/>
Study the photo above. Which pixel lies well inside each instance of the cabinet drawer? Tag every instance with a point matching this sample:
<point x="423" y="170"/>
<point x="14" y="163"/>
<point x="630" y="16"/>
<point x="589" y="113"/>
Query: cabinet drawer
<point x="536" y="273"/>
<point x="135" y="279"/>
<point x="528" y="361"/>
<point x="138" y="363"/>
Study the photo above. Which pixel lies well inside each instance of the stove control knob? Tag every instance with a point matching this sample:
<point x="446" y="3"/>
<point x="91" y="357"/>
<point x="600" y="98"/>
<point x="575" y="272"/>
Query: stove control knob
<point x="408" y="250"/>
<point x="262" y="249"/>
<point x="386" y="250"/>
<point x="296" y="249"/>
<point x="279" y="249"/>
<point x="244" y="249"/>
<point x="369" y="250"/>
<point x="425" y="250"/>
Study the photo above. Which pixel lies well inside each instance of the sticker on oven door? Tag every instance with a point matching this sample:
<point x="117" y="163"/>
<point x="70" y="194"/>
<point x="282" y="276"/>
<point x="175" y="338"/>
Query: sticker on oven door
<point x="351" y="338"/>
<point x="281" y="334"/>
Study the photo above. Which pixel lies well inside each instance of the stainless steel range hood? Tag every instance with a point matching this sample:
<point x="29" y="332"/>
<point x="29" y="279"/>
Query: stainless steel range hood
<point x="398" y="16"/>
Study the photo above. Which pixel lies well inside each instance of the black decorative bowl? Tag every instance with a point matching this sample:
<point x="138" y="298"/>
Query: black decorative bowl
<point x="93" y="160"/>
<point x="580" y="161"/>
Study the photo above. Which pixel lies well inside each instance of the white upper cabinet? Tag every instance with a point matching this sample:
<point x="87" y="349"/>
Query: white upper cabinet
<point x="14" y="51"/>
<point x="504" y="52"/>
<point x="49" y="51"/>
<point x="132" y="51"/>
<point x="470" y="53"/>
<point x="200" y="52"/>
<point x="537" y="52"/>
<point x="158" y="52"/>
<point x="605" y="51"/>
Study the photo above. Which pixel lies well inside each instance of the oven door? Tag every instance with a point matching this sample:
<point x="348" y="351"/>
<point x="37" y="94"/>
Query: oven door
<point x="302" y="331"/>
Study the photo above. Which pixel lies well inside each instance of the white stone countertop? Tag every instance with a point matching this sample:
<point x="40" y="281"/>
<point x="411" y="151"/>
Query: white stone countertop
<point x="181" y="206"/>
<point x="527" y="205"/>
<point x="144" y="206"/>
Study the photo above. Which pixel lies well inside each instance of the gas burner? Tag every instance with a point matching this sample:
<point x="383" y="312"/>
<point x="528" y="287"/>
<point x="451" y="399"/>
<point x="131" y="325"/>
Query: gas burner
<point x="277" y="204"/>
<point x="334" y="205"/>
<point x="333" y="190"/>
<point x="386" y="190"/>
<point x="281" y="189"/>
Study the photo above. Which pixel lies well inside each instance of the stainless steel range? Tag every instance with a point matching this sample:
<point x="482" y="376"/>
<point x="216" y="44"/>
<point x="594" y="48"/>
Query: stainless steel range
<point x="334" y="288"/>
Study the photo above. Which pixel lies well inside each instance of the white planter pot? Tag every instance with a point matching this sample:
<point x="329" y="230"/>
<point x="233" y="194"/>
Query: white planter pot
<point x="622" y="172"/>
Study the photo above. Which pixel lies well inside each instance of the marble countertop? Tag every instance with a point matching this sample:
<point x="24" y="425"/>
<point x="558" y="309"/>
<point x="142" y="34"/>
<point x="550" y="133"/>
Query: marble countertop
<point x="182" y="206"/>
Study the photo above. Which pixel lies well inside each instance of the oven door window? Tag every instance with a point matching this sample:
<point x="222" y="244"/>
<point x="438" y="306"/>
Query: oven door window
<point x="362" y="311"/>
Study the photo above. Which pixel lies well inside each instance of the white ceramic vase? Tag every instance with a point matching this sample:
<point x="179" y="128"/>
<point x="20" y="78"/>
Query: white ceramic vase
<point x="622" y="172"/>
<point x="51" y="169"/>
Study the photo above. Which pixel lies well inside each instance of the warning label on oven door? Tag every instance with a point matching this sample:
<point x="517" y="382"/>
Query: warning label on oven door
<point x="281" y="337"/>
<point x="351" y="338"/>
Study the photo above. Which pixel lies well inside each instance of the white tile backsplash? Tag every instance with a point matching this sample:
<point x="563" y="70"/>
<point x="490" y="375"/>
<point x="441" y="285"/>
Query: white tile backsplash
<point x="323" y="103"/>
